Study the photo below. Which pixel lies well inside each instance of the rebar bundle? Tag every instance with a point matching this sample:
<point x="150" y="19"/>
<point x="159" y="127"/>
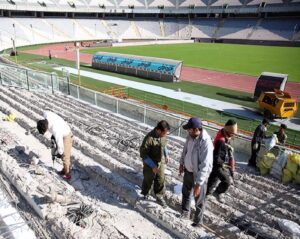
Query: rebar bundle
<point x="76" y="215"/>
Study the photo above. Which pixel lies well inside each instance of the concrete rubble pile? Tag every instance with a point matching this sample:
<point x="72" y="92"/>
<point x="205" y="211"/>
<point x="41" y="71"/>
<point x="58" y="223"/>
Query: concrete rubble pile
<point x="107" y="167"/>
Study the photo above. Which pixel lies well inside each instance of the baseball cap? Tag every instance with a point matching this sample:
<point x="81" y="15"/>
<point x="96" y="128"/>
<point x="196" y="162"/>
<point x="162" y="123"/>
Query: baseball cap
<point x="193" y="123"/>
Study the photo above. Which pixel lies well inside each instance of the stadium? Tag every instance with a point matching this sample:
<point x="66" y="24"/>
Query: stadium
<point x="112" y="69"/>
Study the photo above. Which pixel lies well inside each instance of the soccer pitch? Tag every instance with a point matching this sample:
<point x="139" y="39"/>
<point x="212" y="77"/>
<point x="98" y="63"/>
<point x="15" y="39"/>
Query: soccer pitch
<point x="242" y="59"/>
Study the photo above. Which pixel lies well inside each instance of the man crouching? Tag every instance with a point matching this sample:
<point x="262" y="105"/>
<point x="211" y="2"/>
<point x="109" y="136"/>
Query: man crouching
<point x="63" y="137"/>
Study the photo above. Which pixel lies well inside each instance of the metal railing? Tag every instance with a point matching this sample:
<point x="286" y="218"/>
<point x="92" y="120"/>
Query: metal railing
<point x="129" y="108"/>
<point x="246" y="125"/>
<point x="11" y="75"/>
<point x="150" y="108"/>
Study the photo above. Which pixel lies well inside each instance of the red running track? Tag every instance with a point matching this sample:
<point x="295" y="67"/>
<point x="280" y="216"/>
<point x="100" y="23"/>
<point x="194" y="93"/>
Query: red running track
<point x="230" y="81"/>
<point x="238" y="82"/>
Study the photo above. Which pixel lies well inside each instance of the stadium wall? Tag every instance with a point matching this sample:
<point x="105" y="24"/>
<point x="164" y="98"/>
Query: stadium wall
<point x="151" y="42"/>
<point x="256" y="42"/>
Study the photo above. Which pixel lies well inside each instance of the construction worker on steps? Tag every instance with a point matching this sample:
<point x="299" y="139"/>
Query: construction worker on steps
<point x="62" y="135"/>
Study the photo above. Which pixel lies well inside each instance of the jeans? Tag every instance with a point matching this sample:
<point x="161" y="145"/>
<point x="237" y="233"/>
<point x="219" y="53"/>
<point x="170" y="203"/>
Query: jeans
<point x="187" y="191"/>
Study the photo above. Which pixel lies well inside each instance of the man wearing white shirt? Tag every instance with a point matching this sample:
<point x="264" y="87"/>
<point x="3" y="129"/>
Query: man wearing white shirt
<point x="62" y="134"/>
<point x="196" y="163"/>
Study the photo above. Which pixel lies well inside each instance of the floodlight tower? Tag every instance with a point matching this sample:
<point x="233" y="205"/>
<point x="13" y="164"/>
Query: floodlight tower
<point x="14" y="43"/>
<point x="77" y="45"/>
<point x="74" y="30"/>
<point x="32" y="33"/>
<point x="52" y="31"/>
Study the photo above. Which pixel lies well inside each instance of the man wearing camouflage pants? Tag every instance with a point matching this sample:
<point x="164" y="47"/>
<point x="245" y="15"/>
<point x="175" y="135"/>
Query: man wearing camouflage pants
<point x="153" y="151"/>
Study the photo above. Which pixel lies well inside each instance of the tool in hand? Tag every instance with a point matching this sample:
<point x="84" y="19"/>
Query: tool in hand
<point x="53" y="149"/>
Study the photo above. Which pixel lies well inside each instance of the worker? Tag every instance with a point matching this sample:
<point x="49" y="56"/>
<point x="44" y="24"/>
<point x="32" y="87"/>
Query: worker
<point x="223" y="153"/>
<point x="63" y="137"/>
<point x="154" y="154"/>
<point x="196" y="163"/>
<point x="258" y="136"/>
<point x="281" y="135"/>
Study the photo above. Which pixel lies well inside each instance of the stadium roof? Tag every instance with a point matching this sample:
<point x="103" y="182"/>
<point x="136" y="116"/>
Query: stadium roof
<point x="152" y="6"/>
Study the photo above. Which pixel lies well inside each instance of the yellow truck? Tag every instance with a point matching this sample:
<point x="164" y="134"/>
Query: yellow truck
<point x="277" y="104"/>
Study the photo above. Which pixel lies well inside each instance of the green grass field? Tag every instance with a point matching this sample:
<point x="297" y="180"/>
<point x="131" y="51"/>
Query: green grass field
<point x="244" y="59"/>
